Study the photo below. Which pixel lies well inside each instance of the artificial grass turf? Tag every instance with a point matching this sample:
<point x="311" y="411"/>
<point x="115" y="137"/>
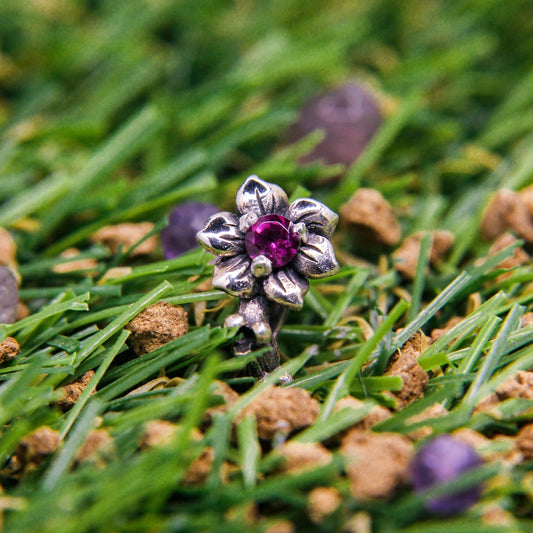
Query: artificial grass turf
<point x="116" y="111"/>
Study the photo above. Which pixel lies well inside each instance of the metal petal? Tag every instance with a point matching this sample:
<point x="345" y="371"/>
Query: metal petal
<point x="316" y="258"/>
<point x="286" y="287"/>
<point x="261" y="198"/>
<point x="316" y="216"/>
<point x="221" y="235"/>
<point x="233" y="275"/>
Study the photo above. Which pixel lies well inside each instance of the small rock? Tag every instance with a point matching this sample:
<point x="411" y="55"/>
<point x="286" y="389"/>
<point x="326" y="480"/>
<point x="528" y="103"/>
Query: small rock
<point x="23" y="311"/>
<point x="157" y="325"/>
<point x="158" y="433"/>
<point x="376" y="414"/>
<point x="9" y="296"/>
<point x="518" y="386"/>
<point x="378" y="463"/>
<point x="9" y="349"/>
<point x="200" y="468"/>
<point x="450" y="324"/>
<point x="406" y="256"/>
<point x="127" y="234"/>
<point x="349" y="117"/>
<point x="371" y="218"/>
<point x="507" y="211"/>
<point x="442" y="460"/>
<point x="281" y="410"/>
<point x="524" y="442"/>
<point x="36" y="447"/>
<point x="96" y="449"/>
<point x="301" y="456"/>
<point x="184" y="222"/>
<point x="230" y="398"/>
<point x="404" y="363"/>
<point x="75" y="264"/>
<point x="526" y="195"/>
<point x="519" y="257"/>
<point x="322" y="501"/>
<point x="433" y="411"/>
<point x="72" y="391"/>
<point x="8" y="249"/>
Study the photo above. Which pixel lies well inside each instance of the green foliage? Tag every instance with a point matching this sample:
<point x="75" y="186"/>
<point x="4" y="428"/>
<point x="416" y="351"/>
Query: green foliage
<point x="115" y="111"/>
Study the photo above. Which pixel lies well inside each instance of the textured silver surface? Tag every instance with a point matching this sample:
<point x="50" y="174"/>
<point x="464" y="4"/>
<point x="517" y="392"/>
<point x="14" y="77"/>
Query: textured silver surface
<point x="286" y="287"/>
<point x="262" y="198"/>
<point x="221" y="235"/>
<point x="233" y="275"/>
<point x="316" y="258"/>
<point x="316" y="216"/>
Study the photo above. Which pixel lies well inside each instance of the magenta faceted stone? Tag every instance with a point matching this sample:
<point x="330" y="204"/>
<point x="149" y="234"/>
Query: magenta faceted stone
<point x="272" y="237"/>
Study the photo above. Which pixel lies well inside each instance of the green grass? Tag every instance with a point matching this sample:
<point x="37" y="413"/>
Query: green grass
<point x="116" y="111"/>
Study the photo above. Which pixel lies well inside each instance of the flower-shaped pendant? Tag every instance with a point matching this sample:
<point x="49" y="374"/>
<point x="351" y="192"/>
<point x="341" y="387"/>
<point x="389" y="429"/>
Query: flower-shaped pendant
<point x="267" y="252"/>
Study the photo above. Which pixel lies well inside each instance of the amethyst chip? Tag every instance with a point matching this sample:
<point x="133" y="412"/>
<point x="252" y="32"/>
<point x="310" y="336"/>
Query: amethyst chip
<point x="184" y="222"/>
<point x="9" y="296"/>
<point x="442" y="460"/>
<point x="348" y="115"/>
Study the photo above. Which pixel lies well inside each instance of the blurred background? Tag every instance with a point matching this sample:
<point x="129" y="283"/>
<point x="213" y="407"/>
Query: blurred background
<point x="116" y="111"/>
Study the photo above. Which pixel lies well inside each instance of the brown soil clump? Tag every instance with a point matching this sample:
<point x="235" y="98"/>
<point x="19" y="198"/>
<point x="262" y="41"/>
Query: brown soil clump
<point x="371" y="218"/>
<point x="524" y="442"/>
<point x="157" y="325"/>
<point x="8" y="249"/>
<point x="300" y="456"/>
<point x="439" y="332"/>
<point x="406" y="256"/>
<point x="519" y="257"/>
<point x="279" y="410"/>
<point x="507" y="211"/>
<point x="75" y="264"/>
<point x="9" y="349"/>
<point x="126" y="235"/>
<point x="322" y="501"/>
<point x="96" y="449"/>
<point x="230" y="398"/>
<point x="527" y="319"/>
<point x="72" y="391"/>
<point x="404" y="363"/>
<point x="376" y="414"/>
<point x="200" y="467"/>
<point x="34" y="448"/>
<point x="433" y="411"/>
<point x="378" y="463"/>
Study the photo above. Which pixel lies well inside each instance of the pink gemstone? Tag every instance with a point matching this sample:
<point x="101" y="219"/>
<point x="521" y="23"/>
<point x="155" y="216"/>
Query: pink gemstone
<point x="272" y="237"/>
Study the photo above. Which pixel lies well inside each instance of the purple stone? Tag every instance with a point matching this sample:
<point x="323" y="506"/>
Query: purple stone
<point x="184" y="222"/>
<point x="440" y="460"/>
<point x="349" y="117"/>
<point x="272" y="237"/>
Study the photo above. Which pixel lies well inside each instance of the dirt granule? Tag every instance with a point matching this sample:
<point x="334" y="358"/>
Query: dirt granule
<point x="404" y="363"/>
<point x="157" y="325"/>
<point x="433" y="411"/>
<point x="230" y="398"/>
<point x="200" y="468"/>
<point x="96" y="449"/>
<point x="524" y="442"/>
<point x="371" y="218"/>
<point x="72" y="391"/>
<point x="126" y="235"/>
<point x="507" y="211"/>
<point x="406" y="256"/>
<point x="378" y="463"/>
<point x="526" y="195"/>
<point x="450" y="324"/>
<point x="34" y="448"/>
<point x="281" y="410"/>
<point x="299" y="456"/>
<point x="8" y="249"/>
<point x="9" y="349"/>
<point x="519" y="257"/>
<point x="75" y="264"/>
<point x="376" y="414"/>
<point x="283" y="526"/>
<point x="518" y="386"/>
<point x="322" y="501"/>
<point x="527" y="319"/>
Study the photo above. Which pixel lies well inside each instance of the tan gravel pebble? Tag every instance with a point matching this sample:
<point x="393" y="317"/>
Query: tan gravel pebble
<point x="282" y="410"/>
<point x="322" y="501"/>
<point x="9" y="349"/>
<point x="75" y="264"/>
<point x="157" y="325"/>
<point x="72" y="391"/>
<point x="127" y="234"/>
<point x="371" y="218"/>
<point x="300" y="456"/>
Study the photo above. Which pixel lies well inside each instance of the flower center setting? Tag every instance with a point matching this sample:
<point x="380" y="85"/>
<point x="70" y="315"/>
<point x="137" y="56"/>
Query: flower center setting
<point x="272" y="236"/>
